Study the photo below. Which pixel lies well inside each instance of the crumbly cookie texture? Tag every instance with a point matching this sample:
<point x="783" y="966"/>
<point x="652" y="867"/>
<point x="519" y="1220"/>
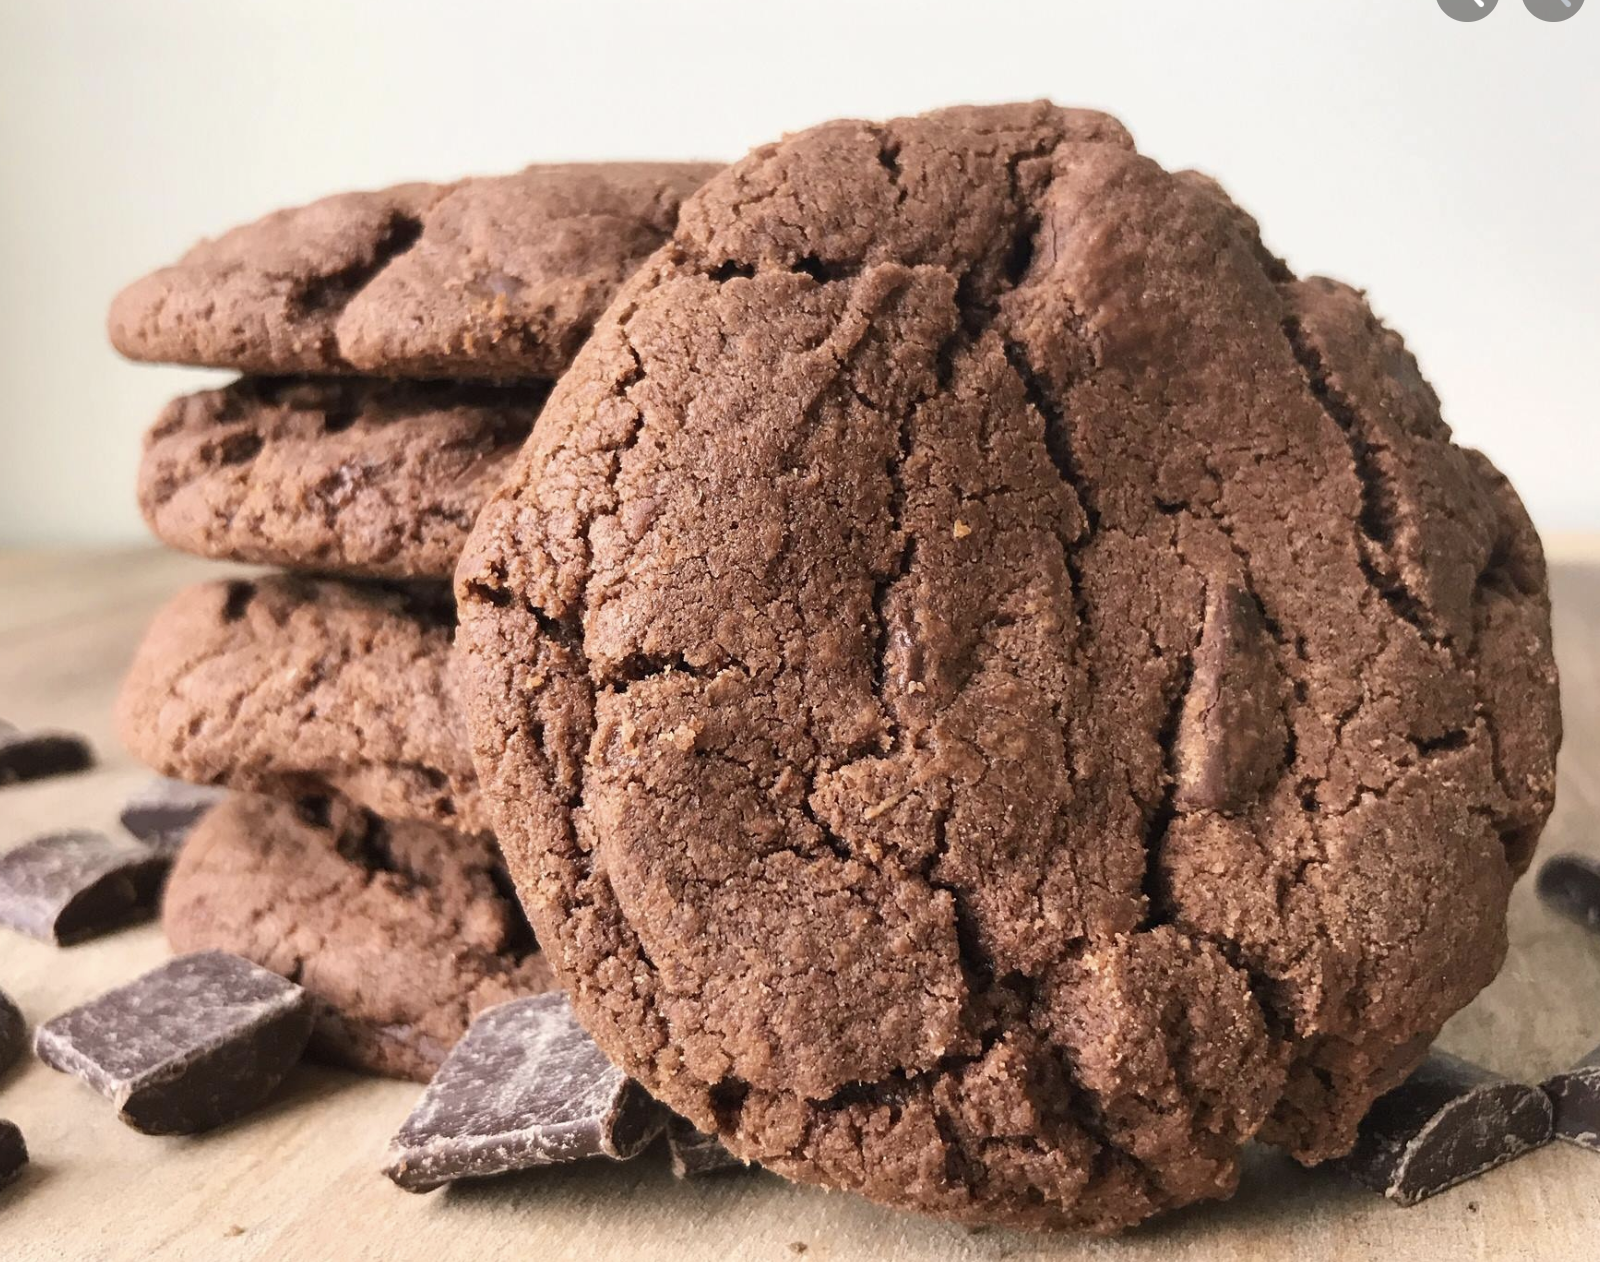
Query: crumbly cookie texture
<point x="402" y="931"/>
<point x="495" y="277"/>
<point x="994" y="692"/>
<point x="354" y="475"/>
<point x="290" y="686"/>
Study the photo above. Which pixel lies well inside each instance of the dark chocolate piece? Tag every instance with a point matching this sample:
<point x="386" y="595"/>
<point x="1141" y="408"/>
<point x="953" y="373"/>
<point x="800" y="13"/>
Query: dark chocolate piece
<point x="525" y="1087"/>
<point x="695" y="1153"/>
<point x="13" y="1152"/>
<point x="70" y="886"/>
<point x="1575" y="1096"/>
<point x="1570" y="883"/>
<point x="1448" y="1122"/>
<point x="188" y="1046"/>
<point x="13" y="1032"/>
<point x="34" y="755"/>
<point x="162" y="813"/>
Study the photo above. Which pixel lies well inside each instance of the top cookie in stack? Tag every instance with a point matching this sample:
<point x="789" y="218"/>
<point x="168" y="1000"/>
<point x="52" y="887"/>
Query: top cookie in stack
<point x="397" y="344"/>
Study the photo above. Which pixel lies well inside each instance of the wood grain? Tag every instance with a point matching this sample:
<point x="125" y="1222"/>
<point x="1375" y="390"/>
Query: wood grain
<point x="299" y="1180"/>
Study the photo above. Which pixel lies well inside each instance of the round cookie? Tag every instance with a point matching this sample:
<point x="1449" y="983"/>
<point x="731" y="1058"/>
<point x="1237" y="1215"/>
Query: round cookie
<point x="401" y="931"/>
<point x="991" y="691"/>
<point x="296" y="686"/>
<point x="356" y="475"/>
<point x="496" y="277"/>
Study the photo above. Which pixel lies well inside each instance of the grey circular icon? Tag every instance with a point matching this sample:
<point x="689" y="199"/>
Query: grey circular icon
<point x="1470" y="10"/>
<point x="1553" y="10"/>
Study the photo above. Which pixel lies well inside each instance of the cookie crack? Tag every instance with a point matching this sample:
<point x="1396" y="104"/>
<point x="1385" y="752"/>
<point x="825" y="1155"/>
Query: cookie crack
<point x="332" y="292"/>
<point x="1376" y="520"/>
<point x="1158" y="821"/>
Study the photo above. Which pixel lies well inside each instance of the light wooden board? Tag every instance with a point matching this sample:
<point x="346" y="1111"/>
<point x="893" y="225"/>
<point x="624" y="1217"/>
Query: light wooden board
<point x="299" y="1180"/>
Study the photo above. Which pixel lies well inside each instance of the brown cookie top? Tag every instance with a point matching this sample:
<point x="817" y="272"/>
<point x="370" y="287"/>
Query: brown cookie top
<point x="495" y="277"/>
<point x="355" y="475"/>
<point x="293" y="686"/>
<point x="828" y="658"/>
<point x="402" y="931"/>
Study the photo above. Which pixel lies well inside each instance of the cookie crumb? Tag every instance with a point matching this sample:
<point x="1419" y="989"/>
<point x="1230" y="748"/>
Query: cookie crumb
<point x="797" y="1246"/>
<point x="960" y="530"/>
<point x="683" y="737"/>
<point x="234" y="1230"/>
<point x="887" y="804"/>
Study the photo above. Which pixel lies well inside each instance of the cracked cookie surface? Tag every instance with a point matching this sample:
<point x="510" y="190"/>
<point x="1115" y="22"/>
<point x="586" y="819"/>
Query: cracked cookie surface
<point x="992" y="692"/>
<point x="354" y="475"/>
<point x="402" y="931"/>
<point x="293" y="686"/>
<point x="493" y="277"/>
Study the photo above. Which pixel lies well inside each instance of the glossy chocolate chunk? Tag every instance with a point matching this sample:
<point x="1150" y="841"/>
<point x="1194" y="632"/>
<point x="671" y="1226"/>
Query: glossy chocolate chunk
<point x="162" y="813"/>
<point x="694" y="1153"/>
<point x="525" y="1087"/>
<point x="13" y="1032"/>
<point x="1449" y="1122"/>
<point x="1575" y="1096"/>
<point x="13" y="1152"/>
<point x="1570" y="883"/>
<point x="32" y="755"/>
<point x="190" y="1045"/>
<point x="70" y="886"/>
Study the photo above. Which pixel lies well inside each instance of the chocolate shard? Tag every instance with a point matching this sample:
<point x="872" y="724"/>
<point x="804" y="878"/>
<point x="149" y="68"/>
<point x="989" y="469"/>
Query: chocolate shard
<point x="1570" y="884"/>
<point x="1575" y="1096"/>
<point x="13" y="1032"/>
<point x="70" y="886"/>
<point x="1448" y="1122"/>
<point x="190" y="1045"/>
<point x="694" y="1153"/>
<point x="163" y="811"/>
<point x="525" y="1087"/>
<point x="33" y="755"/>
<point x="1232" y="736"/>
<point x="13" y="1152"/>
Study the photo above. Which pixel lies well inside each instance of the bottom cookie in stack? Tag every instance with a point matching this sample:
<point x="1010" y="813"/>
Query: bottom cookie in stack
<point x="403" y="931"/>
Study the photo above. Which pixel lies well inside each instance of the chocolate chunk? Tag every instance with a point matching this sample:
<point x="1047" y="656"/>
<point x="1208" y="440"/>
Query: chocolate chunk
<point x="162" y="813"/>
<point x="13" y="1152"/>
<point x="1570" y="883"/>
<point x="13" y="1032"/>
<point x="188" y="1046"/>
<point x="1231" y="732"/>
<point x="70" y="886"/>
<point x="1449" y="1121"/>
<point x="695" y="1153"/>
<point x="34" y="755"/>
<point x="1575" y="1096"/>
<point x="525" y="1087"/>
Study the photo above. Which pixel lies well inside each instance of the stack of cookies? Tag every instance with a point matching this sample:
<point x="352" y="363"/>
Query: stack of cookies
<point x="993" y="692"/>
<point x="396" y="348"/>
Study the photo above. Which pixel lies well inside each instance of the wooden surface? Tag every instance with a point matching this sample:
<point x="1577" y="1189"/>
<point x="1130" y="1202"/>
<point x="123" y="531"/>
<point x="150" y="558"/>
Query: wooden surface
<point x="299" y="1180"/>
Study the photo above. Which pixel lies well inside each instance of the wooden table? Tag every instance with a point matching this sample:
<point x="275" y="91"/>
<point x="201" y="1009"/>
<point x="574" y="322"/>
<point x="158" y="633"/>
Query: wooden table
<point x="299" y="1180"/>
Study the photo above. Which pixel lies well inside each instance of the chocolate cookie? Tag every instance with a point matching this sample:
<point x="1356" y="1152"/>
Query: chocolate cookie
<point x="402" y="931"/>
<point x="356" y="475"/>
<point x="294" y="686"/>
<point x="992" y="692"/>
<point x="489" y="278"/>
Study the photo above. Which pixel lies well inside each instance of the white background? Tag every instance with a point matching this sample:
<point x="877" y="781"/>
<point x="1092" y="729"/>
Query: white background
<point x="1453" y="170"/>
